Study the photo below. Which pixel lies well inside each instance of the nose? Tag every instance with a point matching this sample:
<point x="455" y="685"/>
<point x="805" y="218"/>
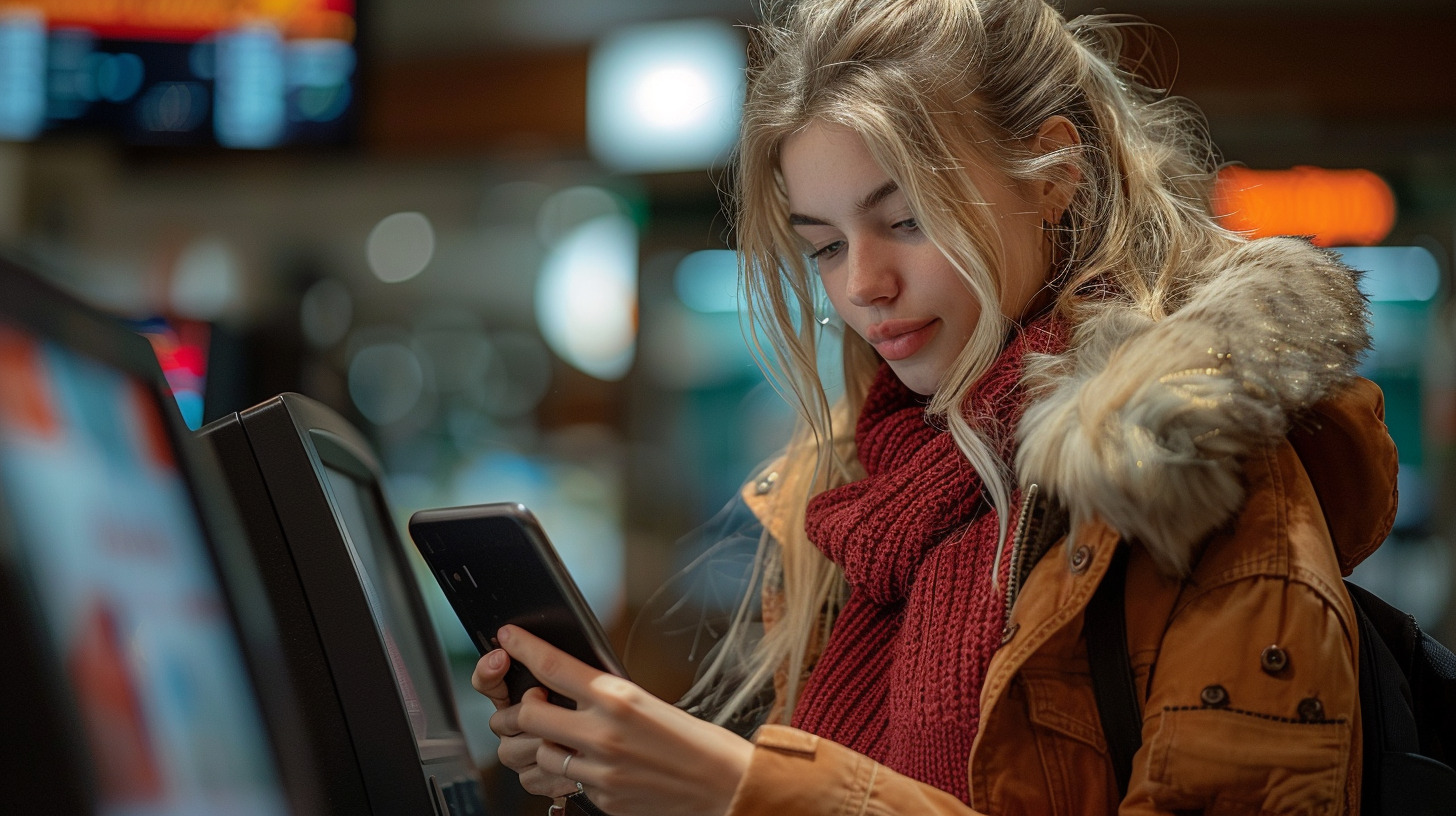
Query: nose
<point x="873" y="277"/>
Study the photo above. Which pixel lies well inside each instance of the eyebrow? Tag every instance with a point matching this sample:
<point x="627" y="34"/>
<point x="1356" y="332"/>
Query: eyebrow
<point x="865" y="204"/>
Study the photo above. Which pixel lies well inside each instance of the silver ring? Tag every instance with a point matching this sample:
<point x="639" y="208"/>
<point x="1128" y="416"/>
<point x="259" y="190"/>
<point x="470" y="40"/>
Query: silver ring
<point x="565" y="763"/>
<point x="555" y="810"/>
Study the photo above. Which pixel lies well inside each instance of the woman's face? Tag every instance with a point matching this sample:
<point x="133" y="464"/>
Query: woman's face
<point x="886" y="280"/>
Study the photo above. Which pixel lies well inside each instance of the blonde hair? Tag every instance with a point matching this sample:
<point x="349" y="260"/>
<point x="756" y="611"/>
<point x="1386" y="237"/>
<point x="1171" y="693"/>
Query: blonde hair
<point x="931" y="85"/>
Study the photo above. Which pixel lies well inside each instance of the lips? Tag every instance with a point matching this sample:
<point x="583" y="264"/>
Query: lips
<point x="898" y="339"/>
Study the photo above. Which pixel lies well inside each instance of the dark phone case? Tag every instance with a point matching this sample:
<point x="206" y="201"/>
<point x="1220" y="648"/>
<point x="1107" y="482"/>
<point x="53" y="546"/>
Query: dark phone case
<point x="496" y="567"/>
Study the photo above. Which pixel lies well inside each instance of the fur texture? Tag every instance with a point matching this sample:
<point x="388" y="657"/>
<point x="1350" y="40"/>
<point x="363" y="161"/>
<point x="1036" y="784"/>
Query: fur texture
<point x="1146" y="423"/>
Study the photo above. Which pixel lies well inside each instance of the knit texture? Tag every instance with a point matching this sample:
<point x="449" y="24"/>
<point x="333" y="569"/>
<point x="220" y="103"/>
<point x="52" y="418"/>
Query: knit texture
<point x="900" y="677"/>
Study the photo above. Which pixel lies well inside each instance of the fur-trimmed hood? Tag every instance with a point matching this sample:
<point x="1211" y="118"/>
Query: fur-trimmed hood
<point x="1145" y="424"/>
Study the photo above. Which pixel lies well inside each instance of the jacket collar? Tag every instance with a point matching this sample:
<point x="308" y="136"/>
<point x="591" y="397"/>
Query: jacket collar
<point x="1144" y="423"/>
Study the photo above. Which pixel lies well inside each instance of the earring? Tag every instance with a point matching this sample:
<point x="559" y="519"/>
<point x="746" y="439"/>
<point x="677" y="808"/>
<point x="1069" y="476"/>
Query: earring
<point x="1059" y="236"/>
<point x="1050" y="245"/>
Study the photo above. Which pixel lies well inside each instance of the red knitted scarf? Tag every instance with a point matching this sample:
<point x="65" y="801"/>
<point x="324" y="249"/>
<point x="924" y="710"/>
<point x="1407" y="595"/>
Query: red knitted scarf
<point x="900" y="678"/>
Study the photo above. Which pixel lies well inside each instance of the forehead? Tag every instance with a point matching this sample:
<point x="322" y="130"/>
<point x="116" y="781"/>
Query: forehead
<point x="826" y="165"/>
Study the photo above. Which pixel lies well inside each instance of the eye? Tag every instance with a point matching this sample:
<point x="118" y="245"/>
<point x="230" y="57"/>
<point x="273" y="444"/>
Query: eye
<point x="909" y="225"/>
<point x="826" y="251"/>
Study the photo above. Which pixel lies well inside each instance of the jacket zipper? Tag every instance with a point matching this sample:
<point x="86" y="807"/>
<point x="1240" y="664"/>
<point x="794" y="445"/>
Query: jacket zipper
<point x="1039" y="524"/>
<point x="1018" y="543"/>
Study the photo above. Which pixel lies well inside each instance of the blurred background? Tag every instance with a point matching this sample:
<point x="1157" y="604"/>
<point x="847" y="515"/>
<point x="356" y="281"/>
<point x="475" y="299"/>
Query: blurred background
<point x="491" y="233"/>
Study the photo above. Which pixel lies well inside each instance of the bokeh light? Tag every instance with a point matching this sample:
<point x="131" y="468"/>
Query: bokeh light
<point x="118" y="77"/>
<point x="707" y="280"/>
<point x="1333" y="207"/>
<point x="665" y="96"/>
<point x="207" y="280"/>
<point x="319" y="73"/>
<point x="386" y="381"/>
<point x="250" y="110"/>
<point x="672" y="97"/>
<point x="326" y="312"/>
<point x="519" y="377"/>
<point x="1395" y="274"/>
<point x="173" y="107"/>
<point x="586" y="297"/>
<point x="22" y="73"/>
<point x="400" y="246"/>
<point x="564" y="211"/>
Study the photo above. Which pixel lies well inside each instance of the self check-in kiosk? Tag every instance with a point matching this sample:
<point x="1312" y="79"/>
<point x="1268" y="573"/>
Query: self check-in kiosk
<point x="141" y="660"/>
<point x="380" y="714"/>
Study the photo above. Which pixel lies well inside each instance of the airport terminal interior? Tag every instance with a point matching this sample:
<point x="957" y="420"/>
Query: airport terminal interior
<point x="272" y="283"/>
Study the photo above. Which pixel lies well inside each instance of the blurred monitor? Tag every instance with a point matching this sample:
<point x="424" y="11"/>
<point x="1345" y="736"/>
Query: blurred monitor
<point x="376" y="688"/>
<point x="140" y="657"/>
<point x="164" y="73"/>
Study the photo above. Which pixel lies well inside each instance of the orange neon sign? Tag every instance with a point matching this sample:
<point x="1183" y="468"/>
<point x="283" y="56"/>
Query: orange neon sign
<point x="1333" y="207"/>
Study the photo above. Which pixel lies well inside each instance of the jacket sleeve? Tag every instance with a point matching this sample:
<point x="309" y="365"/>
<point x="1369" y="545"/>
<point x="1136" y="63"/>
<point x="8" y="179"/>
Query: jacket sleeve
<point x="1253" y="705"/>
<point x="796" y="772"/>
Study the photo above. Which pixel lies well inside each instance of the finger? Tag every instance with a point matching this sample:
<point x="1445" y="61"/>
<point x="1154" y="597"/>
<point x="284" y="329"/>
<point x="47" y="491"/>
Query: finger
<point x="489" y="677"/>
<point x="551" y="757"/>
<point x="506" y="722"/>
<point x="558" y="670"/>
<point x="543" y="784"/>
<point x="518" y="753"/>
<point x="540" y="717"/>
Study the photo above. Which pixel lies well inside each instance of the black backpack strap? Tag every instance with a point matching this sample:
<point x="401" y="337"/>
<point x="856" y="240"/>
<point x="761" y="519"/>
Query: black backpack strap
<point x="1105" y="630"/>
<point x="1433" y="686"/>
<point x="1400" y="775"/>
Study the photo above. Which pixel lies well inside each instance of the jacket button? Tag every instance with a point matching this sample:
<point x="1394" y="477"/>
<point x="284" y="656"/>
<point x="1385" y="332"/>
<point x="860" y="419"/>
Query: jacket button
<point x="1273" y="659"/>
<point x="1311" y="709"/>
<point x="1081" y="559"/>
<point x="766" y="483"/>
<point x="1214" y="696"/>
<point x="1009" y="632"/>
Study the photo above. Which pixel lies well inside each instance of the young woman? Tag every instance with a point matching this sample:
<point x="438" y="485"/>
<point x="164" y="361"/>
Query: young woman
<point x="1051" y="352"/>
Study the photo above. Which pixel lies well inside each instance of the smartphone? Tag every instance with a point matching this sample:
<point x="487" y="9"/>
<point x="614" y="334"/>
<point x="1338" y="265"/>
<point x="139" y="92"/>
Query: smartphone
<point x="497" y="567"/>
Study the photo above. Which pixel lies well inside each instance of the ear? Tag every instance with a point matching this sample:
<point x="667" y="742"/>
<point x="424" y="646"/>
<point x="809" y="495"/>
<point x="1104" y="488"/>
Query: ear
<point x="1057" y="133"/>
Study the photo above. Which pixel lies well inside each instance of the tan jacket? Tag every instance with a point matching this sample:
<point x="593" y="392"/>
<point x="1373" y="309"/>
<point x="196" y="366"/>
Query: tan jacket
<point x="1241" y="635"/>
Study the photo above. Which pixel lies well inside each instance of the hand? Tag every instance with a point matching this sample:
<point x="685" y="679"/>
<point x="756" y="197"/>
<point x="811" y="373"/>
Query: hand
<point x="517" y="750"/>
<point x="633" y="753"/>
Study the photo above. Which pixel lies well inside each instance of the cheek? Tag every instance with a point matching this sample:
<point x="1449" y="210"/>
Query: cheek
<point x="962" y="321"/>
<point x="834" y="292"/>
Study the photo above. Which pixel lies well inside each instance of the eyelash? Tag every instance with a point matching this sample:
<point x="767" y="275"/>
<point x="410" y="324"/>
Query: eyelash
<point x="830" y="248"/>
<point x="824" y="250"/>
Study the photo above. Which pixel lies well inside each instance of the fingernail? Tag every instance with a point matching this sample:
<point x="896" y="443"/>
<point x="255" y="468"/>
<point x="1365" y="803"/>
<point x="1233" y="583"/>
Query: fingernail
<point x="504" y="635"/>
<point x="496" y="660"/>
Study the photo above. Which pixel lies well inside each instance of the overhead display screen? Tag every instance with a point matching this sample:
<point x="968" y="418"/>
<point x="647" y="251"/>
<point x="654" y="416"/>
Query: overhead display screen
<point x="254" y="74"/>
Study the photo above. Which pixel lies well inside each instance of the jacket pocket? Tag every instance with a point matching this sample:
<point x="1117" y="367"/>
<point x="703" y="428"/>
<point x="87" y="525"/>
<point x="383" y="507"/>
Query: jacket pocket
<point x="1063" y="702"/>
<point x="1063" y="715"/>
<point x="1227" y="761"/>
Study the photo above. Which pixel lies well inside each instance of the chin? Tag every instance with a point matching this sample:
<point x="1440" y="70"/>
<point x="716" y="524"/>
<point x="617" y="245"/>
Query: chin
<point x="920" y="382"/>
